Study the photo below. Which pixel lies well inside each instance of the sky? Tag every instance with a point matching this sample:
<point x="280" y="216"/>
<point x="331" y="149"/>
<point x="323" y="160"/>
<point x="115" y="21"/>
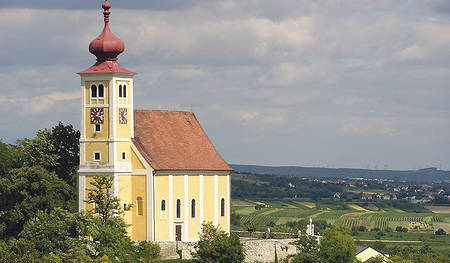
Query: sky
<point x="343" y="84"/>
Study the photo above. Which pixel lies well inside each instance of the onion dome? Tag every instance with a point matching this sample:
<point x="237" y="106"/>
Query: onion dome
<point x="106" y="46"/>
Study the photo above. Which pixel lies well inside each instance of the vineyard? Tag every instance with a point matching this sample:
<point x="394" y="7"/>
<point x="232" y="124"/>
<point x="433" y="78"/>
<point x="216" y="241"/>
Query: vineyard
<point x="270" y="212"/>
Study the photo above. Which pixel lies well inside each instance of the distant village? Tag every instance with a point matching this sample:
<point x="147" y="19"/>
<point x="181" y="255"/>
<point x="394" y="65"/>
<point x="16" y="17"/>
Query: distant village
<point x="416" y="193"/>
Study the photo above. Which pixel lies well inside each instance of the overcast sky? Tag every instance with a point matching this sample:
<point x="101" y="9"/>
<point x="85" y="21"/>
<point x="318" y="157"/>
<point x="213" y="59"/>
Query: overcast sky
<point x="357" y="84"/>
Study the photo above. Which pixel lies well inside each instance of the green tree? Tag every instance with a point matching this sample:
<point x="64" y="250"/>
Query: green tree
<point x="59" y="232"/>
<point x="24" y="192"/>
<point x="6" y="158"/>
<point x="215" y="246"/>
<point x="108" y="230"/>
<point x="20" y="250"/>
<point x="38" y="151"/>
<point x="337" y="245"/>
<point x="308" y="250"/>
<point x="65" y="141"/>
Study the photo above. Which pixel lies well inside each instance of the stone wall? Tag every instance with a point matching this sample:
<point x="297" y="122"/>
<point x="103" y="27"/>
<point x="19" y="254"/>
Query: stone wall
<point x="262" y="250"/>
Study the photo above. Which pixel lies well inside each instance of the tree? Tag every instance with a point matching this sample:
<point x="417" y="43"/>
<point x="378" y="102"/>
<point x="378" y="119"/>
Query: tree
<point x="105" y="204"/>
<point x="65" y="141"/>
<point x="6" y="158"/>
<point x="20" y="250"/>
<point x="337" y="245"/>
<point x="24" y="192"/>
<point x="58" y="232"/>
<point x="108" y="230"/>
<point x="216" y="246"/>
<point x="38" y="151"/>
<point x="308" y="250"/>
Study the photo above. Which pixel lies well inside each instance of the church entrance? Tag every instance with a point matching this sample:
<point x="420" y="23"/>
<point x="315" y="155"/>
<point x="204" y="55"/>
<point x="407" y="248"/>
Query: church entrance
<point x="178" y="232"/>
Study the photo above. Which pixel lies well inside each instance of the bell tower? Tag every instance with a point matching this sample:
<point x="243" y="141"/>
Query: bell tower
<point x="106" y="113"/>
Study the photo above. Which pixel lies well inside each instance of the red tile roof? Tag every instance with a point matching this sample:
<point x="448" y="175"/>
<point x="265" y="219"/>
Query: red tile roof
<point x="175" y="140"/>
<point x="107" y="67"/>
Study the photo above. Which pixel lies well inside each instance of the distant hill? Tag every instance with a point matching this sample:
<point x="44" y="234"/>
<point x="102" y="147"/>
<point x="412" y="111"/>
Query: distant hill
<point x="422" y="175"/>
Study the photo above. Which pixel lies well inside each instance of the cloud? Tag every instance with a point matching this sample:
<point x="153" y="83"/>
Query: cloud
<point x="291" y="76"/>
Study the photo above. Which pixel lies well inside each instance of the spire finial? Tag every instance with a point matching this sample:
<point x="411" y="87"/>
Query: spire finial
<point x="106" y="6"/>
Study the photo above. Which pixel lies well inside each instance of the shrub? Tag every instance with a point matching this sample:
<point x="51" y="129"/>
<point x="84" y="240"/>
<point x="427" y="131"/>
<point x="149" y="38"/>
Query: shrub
<point x="216" y="246"/>
<point x="440" y="232"/>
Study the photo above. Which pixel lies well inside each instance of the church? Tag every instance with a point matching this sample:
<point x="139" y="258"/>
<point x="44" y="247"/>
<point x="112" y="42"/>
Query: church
<point x="163" y="163"/>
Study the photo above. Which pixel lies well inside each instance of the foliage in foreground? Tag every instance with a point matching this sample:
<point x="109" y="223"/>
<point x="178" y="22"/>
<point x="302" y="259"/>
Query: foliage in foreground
<point x="216" y="246"/>
<point x="60" y="236"/>
<point x="336" y="246"/>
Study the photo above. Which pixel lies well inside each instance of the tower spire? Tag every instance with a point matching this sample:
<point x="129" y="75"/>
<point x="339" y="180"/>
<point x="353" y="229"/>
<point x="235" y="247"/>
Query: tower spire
<point x="106" y="46"/>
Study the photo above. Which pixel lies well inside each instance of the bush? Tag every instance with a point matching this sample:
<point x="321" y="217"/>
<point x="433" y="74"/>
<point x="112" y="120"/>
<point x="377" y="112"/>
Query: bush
<point x="440" y="232"/>
<point x="216" y="246"/>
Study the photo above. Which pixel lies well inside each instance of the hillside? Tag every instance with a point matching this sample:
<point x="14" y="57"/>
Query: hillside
<point x="422" y="175"/>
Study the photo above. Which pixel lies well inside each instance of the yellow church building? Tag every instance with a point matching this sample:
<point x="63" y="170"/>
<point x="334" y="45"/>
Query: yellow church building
<point x="162" y="161"/>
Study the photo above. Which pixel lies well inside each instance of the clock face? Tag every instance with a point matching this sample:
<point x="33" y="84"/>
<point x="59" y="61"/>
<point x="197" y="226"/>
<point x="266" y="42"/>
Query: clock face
<point x="123" y="116"/>
<point x="97" y="116"/>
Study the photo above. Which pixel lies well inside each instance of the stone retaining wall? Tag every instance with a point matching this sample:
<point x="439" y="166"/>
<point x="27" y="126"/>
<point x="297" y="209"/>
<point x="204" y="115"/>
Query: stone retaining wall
<point x="262" y="250"/>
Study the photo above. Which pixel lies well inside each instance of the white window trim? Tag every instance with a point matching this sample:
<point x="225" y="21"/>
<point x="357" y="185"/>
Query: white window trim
<point x="163" y="213"/>
<point x="95" y="128"/>
<point x="99" y="155"/>
<point x="176" y="209"/>
<point x="224" y="209"/>
<point x="193" y="199"/>
<point x="97" y="86"/>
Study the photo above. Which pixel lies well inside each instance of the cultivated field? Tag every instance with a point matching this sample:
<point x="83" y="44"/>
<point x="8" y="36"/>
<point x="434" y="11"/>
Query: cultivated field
<point x="383" y="216"/>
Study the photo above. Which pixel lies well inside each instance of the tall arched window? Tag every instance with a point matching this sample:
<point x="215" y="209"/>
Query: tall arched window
<point x="222" y="207"/>
<point x="93" y="91"/>
<point x="193" y="208"/>
<point x="178" y="210"/>
<point x="140" y="206"/>
<point x="101" y="91"/>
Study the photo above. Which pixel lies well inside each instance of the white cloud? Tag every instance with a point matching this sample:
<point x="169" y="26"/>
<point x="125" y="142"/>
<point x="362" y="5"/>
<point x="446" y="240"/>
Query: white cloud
<point x="289" y="75"/>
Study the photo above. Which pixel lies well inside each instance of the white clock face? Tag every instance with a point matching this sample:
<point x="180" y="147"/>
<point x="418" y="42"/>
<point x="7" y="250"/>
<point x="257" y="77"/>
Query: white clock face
<point x="97" y="116"/>
<point x="123" y="116"/>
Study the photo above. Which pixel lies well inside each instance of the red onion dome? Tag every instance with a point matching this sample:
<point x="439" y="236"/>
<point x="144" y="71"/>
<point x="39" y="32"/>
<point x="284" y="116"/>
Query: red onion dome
<point x="106" y="46"/>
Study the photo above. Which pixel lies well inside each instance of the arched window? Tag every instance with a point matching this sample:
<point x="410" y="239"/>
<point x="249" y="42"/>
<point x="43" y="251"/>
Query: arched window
<point x="93" y="91"/>
<point x="222" y="207"/>
<point x="140" y="206"/>
<point x="178" y="210"/>
<point x="101" y="91"/>
<point x="122" y="91"/>
<point x="163" y="205"/>
<point x="193" y="208"/>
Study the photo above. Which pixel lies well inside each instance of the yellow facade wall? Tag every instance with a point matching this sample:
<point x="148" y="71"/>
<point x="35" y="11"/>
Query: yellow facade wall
<point x="101" y="147"/>
<point x="178" y="193"/>
<point x="125" y="196"/>
<point x="135" y="162"/>
<point x="123" y="129"/>
<point x="223" y="193"/>
<point x="123" y="147"/>
<point x="161" y="192"/>
<point x="194" y="193"/>
<point x="126" y="100"/>
<point x="92" y="101"/>
<point x="139" y="218"/>
<point x="208" y="198"/>
<point x="90" y="128"/>
<point x="88" y="180"/>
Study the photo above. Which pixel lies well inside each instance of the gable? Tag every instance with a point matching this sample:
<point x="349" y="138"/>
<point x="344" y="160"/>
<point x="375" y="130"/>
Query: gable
<point x="175" y="140"/>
